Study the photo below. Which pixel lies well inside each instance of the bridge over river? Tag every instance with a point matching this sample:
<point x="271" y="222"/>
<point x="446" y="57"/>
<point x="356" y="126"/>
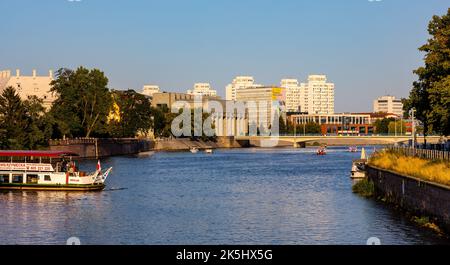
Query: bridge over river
<point x="301" y="141"/>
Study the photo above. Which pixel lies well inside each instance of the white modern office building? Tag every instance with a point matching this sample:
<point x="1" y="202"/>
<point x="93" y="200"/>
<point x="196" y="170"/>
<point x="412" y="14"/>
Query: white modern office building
<point x="149" y="90"/>
<point x="317" y="96"/>
<point x="388" y="104"/>
<point x="293" y="95"/>
<point x="202" y="89"/>
<point x="261" y="102"/>
<point x="28" y="86"/>
<point x="238" y="83"/>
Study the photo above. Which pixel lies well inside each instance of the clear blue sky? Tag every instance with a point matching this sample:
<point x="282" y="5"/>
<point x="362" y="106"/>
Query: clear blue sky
<point x="366" y="48"/>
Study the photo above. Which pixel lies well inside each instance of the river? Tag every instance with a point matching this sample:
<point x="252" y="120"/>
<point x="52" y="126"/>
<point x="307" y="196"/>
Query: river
<point x="240" y="196"/>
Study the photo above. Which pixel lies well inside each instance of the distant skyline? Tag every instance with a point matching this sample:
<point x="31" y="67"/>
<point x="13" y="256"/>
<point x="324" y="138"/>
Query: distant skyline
<point x="367" y="48"/>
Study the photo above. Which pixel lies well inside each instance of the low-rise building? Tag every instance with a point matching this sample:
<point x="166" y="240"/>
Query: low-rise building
<point x="28" y="86"/>
<point x="149" y="90"/>
<point x="388" y="104"/>
<point x="337" y="124"/>
<point x="202" y="89"/>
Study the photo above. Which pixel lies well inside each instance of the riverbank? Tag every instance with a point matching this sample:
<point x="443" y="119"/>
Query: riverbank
<point x="433" y="170"/>
<point x="419" y="197"/>
<point x="185" y="144"/>
<point x="90" y="148"/>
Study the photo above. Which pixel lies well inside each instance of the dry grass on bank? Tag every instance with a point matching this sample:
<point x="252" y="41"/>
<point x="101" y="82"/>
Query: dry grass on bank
<point x="433" y="171"/>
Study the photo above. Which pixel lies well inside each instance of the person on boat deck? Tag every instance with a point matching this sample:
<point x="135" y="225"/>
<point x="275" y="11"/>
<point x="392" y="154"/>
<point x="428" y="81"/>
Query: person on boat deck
<point x="72" y="167"/>
<point x="64" y="166"/>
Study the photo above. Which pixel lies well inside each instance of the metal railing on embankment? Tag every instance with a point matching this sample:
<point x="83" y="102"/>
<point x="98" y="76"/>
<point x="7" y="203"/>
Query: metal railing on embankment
<point x="422" y="153"/>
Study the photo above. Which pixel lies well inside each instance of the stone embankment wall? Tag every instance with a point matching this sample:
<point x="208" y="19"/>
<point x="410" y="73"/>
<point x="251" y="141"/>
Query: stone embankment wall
<point x="186" y="144"/>
<point x="420" y="197"/>
<point x="97" y="148"/>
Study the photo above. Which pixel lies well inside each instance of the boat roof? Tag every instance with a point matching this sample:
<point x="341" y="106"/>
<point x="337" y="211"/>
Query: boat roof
<point x="51" y="154"/>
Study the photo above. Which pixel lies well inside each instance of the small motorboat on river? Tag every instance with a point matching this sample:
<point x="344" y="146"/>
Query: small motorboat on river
<point x="322" y="151"/>
<point x="353" y="149"/>
<point x="208" y="151"/>
<point x="47" y="170"/>
<point x="359" y="166"/>
<point x="194" y="150"/>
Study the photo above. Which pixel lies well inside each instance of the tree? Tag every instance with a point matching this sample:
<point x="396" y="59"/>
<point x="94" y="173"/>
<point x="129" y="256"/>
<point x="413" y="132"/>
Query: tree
<point x="162" y="121"/>
<point x="83" y="102"/>
<point x="396" y="126"/>
<point x="313" y="128"/>
<point x="13" y="120"/>
<point x="431" y="89"/>
<point x="39" y="129"/>
<point x="23" y="124"/>
<point x="439" y="96"/>
<point x="134" y="114"/>
<point x="382" y="125"/>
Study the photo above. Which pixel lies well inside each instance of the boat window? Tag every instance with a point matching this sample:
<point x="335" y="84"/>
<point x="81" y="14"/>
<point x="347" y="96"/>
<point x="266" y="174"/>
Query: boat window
<point x="4" y="178"/>
<point x="32" y="179"/>
<point x="17" y="178"/>
<point x="47" y="178"/>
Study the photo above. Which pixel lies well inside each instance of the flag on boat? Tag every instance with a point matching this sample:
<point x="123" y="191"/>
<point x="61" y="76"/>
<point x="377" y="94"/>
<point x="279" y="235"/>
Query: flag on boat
<point x="99" y="166"/>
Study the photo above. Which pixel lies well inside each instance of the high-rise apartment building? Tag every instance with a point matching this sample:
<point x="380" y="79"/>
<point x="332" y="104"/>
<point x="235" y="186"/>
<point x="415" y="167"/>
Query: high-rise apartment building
<point x="317" y="96"/>
<point x="293" y="95"/>
<point x="388" y="104"/>
<point x="261" y="102"/>
<point x="238" y="83"/>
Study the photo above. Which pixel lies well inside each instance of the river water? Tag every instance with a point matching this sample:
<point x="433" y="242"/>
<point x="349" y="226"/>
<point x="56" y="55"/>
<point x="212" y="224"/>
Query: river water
<point x="241" y="196"/>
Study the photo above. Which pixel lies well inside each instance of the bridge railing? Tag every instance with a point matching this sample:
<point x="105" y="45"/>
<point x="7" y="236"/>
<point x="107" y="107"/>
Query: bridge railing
<point x="422" y="153"/>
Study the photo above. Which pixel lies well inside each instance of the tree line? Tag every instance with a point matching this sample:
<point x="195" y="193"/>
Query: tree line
<point x="84" y="107"/>
<point x="430" y="96"/>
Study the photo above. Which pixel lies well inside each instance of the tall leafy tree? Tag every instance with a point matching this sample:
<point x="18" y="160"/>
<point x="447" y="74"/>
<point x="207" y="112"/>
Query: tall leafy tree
<point x="382" y="125"/>
<point x="134" y="114"/>
<point x="23" y="124"/>
<point x="13" y="120"/>
<point x="431" y="89"/>
<point x="439" y="96"/>
<point x="83" y="102"/>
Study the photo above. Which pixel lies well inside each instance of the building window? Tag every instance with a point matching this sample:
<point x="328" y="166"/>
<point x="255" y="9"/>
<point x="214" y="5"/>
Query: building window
<point x="47" y="178"/>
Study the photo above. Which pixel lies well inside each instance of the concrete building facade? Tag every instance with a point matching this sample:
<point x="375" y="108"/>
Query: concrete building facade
<point x="28" y="86"/>
<point x="227" y="120"/>
<point x="388" y="104"/>
<point x="293" y="95"/>
<point x="261" y="101"/>
<point x="317" y="96"/>
<point x="238" y="83"/>
<point x="149" y="90"/>
<point x="202" y="89"/>
<point x="337" y="124"/>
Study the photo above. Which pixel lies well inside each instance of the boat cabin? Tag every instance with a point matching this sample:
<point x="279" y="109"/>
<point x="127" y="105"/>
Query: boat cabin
<point x="33" y="167"/>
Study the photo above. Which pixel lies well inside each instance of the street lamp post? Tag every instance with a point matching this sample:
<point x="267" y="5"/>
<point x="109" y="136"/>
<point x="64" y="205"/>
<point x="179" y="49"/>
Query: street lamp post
<point x="395" y="125"/>
<point x="413" y="124"/>
<point x="295" y="133"/>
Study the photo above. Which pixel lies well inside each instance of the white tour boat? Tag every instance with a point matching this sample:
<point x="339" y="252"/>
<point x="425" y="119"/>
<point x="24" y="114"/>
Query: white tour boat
<point x="47" y="170"/>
